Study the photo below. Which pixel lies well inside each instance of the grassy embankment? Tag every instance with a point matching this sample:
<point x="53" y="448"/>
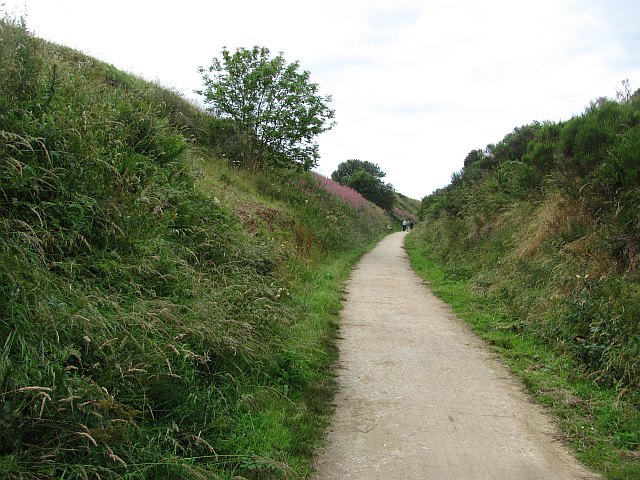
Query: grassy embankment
<point x="536" y="243"/>
<point x="406" y="208"/>
<point x="161" y="314"/>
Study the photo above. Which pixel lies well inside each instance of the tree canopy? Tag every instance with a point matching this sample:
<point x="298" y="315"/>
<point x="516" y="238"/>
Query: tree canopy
<point x="276" y="108"/>
<point x="366" y="178"/>
<point x="348" y="168"/>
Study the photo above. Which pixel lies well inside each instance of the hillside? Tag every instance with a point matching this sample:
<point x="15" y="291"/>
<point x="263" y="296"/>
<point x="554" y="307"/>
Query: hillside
<point x="537" y="242"/>
<point x="162" y="314"/>
<point x="406" y="207"/>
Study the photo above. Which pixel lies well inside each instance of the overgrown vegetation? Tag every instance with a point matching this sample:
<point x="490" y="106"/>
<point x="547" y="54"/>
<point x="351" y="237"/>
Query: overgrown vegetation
<point x="276" y="111"/>
<point x="366" y="178"/>
<point x="162" y="315"/>
<point x="543" y="231"/>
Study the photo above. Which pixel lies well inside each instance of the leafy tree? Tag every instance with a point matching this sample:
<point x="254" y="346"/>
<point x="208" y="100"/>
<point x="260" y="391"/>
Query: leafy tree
<point x="348" y="168"/>
<point x="276" y="109"/>
<point x="365" y="177"/>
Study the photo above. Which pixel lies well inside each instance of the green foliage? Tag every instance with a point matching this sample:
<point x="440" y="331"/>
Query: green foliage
<point x="605" y="329"/>
<point x="512" y="149"/>
<point x="541" y="150"/>
<point x="20" y="61"/>
<point x="586" y="139"/>
<point x="147" y="329"/>
<point x="602" y="428"/>
<point x="365" y="177"/>
<point x="409" y="205"/>
<point x="276" y="109"/>
<point x="346" y="169"/>
<point x="516" y="178"/>
<point x="324" y="222"/>
<point x="545" y="225"/>
<point x="514" y="145"/>
<point x="372" y="189"/>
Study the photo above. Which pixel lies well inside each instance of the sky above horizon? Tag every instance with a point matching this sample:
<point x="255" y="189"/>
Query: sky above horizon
<point x="416" y="84"/>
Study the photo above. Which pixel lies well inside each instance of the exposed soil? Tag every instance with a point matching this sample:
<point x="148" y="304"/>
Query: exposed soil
<point x="421" y="397"/>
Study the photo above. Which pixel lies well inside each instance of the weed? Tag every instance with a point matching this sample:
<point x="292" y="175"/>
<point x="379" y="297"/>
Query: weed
<point x="159" y="315"/>
<point x="572" y="376"/>
<point x="535" y="242"/>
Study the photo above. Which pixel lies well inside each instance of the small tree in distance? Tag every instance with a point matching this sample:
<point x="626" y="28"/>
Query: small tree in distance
<point x="276" y="108"/>
<point x="348" y="168"/>
<point x="366" y="178"/>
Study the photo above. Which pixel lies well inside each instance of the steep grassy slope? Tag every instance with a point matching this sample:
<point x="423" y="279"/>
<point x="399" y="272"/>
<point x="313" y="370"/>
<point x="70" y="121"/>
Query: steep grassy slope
<point x="161" y="315"/>
<point x="406" y="207"/>
<point x="541" y="232"/>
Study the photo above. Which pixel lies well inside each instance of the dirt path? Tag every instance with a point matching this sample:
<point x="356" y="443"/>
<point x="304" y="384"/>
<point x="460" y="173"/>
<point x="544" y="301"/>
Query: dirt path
<point x="420" y="397"/>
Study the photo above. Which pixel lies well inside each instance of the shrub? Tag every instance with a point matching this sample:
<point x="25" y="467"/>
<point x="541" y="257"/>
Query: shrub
<point x="562" y="201"/>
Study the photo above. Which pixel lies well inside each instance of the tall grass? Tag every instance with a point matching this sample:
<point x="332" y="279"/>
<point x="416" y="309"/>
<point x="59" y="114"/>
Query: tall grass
<point x="593" y="420"/>
<point x="545" y="226"/>
<point x="558" y="224"/>
<point x="146" y="329"/>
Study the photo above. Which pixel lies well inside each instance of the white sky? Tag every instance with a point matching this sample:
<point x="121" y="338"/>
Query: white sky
<point x="416" y="84"/>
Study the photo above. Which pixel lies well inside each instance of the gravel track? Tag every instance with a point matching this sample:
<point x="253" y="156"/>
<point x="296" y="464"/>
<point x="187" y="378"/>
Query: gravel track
<point x="421" y="397"/>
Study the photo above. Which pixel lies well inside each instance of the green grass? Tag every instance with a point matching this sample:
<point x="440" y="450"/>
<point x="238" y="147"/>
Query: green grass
<point x="603" y="430"/>
<point x="292" y="415"/>
<point x="162" y="315"/>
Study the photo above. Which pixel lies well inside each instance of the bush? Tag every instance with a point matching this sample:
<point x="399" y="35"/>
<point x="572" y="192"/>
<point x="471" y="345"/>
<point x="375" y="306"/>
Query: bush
<point x="546" y="204"/>
<point x="336" y="224"/>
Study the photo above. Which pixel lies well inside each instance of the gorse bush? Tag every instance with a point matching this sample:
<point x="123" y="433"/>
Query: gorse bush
<point x="547" y="223"/>
<point x="144" y="331"/>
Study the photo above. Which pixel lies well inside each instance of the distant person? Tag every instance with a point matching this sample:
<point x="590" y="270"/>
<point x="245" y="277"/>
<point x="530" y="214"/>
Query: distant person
<point x="404" y="225"/>
<point x="410" y="224"/>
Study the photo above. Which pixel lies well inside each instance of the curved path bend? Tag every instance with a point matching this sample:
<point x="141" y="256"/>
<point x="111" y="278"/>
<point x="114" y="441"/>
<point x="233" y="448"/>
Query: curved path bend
<point x="421" y="397"/>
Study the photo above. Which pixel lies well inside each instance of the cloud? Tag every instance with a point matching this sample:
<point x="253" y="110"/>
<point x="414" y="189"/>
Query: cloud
<point x="416" y="84"/>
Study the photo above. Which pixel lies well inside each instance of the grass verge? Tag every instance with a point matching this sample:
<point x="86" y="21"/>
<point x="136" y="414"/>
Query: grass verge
<point x="600" y="428"/>
<point x="279" y="427"/>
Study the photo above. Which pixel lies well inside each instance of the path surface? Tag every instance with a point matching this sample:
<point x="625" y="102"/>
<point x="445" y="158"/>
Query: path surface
<point x="420" y="397"/>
